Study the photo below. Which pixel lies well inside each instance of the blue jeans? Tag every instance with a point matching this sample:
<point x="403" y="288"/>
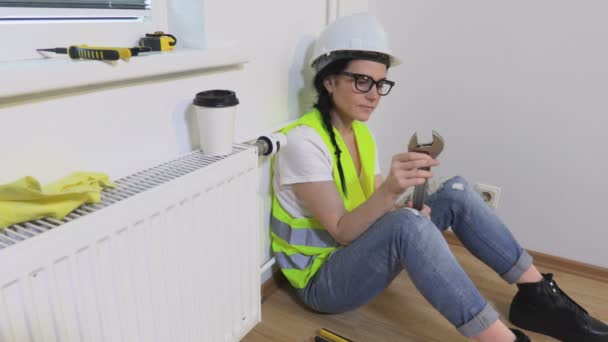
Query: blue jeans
<point x="405" y="239"/>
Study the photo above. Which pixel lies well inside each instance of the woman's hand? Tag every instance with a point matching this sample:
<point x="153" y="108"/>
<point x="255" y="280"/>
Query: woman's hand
<point x="406" y="172"/>
<point x="426" y="210"/>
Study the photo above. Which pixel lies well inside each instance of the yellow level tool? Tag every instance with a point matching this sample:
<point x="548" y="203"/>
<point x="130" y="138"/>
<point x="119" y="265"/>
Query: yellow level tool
<point x="97" y="52"/>
<point x="159" y="41"/>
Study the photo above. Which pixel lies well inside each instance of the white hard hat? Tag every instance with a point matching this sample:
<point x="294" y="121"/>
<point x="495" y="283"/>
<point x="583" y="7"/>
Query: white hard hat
<point x="355" y="36"/>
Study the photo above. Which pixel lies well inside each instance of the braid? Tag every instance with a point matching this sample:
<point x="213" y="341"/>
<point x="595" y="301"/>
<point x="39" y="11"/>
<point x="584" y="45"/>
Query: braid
<point x="327" y="121"/>
<point x="325" y="104"/>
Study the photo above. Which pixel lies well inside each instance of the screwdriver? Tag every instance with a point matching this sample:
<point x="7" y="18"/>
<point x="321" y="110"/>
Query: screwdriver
<point x="332" y="336"/>
<point x="98" y="53"/>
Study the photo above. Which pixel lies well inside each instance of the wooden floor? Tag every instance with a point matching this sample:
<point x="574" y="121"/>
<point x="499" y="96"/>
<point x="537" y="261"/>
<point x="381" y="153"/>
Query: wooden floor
<point x="400" y="313"/>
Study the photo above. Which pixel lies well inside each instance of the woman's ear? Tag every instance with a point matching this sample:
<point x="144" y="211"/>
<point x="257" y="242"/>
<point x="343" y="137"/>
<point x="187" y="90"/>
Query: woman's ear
<point x="329" y="83"/>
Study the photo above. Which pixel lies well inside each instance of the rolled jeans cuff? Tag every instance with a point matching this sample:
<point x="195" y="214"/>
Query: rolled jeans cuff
<point x="521" y="266"/>
<point x="482" y="321"/>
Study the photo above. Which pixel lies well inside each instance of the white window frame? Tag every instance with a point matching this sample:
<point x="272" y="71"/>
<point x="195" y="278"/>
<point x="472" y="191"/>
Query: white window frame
<point x="23" y="37"/>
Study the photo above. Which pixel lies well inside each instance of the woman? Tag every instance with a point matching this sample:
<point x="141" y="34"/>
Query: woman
<point x="338" y="237"/>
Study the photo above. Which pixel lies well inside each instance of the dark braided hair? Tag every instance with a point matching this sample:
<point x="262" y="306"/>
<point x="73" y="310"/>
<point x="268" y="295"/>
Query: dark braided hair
<point x="325" y="104"/>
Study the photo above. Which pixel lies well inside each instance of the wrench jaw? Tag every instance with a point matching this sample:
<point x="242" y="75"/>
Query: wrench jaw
<point x="413" y="144"/>
<point x="433" y="149"/>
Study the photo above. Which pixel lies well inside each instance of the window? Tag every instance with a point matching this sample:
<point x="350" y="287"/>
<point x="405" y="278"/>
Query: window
<point x="30" y="25"/>
<point x="110" y="4"/>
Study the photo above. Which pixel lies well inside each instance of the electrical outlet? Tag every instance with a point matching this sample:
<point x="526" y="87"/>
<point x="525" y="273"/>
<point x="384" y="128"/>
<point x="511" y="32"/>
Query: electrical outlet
<point x="489" y="193"/>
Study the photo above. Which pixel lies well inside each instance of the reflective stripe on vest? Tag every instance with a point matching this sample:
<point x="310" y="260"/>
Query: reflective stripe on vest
<point x="296" y="261"/>
<point x="302" y="245"/>
<point x="314" y="237"/>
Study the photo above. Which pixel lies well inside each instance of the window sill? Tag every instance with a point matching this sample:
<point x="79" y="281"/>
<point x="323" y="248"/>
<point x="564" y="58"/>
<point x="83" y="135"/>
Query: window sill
<point x="52" y="74"/>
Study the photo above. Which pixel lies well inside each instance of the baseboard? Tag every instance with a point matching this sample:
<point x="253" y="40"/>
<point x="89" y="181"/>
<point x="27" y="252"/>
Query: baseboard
<point x="273" y="283"/>
<point x="552" y="262"/>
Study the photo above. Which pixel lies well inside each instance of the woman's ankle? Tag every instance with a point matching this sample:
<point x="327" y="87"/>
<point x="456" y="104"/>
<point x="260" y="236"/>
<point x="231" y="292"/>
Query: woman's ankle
<point x="497" y="332"/>
<point x="532" y="275"/>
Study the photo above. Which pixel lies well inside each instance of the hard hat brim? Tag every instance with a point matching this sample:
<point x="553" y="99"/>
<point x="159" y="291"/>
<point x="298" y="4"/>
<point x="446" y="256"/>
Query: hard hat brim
<point x="320" y="62"/>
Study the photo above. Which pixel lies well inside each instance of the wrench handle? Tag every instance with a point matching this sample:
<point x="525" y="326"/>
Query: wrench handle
<point x="420" y="193"/>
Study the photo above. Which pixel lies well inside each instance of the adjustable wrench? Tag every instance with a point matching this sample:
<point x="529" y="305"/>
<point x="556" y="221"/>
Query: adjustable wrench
<point x="433" y="149"/>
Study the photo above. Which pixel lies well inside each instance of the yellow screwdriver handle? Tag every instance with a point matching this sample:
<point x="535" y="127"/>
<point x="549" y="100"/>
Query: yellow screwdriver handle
<point x="99" y="53"/>
<point x="332" y="336"/>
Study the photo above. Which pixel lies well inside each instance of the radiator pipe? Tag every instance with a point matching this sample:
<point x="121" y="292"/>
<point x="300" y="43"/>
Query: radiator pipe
<point x="268" y="264"/>
<point x="267" y="146"/>
<point x="270" y="144"/>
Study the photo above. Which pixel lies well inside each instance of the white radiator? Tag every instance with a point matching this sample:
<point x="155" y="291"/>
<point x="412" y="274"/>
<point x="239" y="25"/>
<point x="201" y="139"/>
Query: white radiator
<point x="170" y="255"/>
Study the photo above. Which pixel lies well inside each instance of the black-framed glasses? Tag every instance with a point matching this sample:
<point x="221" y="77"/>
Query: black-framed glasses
<point x="364" y="83"/>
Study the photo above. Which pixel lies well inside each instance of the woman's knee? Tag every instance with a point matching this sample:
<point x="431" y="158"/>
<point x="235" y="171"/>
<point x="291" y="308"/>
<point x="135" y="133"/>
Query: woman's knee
<point x="410" y="225"/>
<point x="460" y="192"/>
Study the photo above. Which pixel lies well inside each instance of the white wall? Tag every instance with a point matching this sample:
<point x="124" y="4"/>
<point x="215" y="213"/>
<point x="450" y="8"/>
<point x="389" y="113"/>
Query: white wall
<point x="124" y="127"/>
<point x="518" y="89"/>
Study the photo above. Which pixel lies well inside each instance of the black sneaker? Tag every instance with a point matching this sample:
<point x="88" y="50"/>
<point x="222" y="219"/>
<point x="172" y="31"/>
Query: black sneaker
<point x="520" y="336"/>
<point x="544" y="308"/>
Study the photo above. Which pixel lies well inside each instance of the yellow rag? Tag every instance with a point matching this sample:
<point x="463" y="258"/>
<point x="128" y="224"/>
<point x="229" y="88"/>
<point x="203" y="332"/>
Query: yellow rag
<point x="25" y="200"/>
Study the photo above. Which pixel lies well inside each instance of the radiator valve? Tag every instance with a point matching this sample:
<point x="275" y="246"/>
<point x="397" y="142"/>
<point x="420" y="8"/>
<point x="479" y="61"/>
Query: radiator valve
<point x="271" y="144"/>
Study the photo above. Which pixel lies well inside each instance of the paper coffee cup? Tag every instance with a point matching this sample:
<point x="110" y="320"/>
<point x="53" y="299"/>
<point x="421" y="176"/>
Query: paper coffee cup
<point x="215" y="114"/>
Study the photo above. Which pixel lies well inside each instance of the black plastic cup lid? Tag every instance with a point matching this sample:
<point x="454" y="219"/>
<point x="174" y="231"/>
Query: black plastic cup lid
<point x="216" y="98"/>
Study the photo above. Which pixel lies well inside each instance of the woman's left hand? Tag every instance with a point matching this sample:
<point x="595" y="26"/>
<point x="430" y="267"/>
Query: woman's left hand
<point x="426" y="210"/>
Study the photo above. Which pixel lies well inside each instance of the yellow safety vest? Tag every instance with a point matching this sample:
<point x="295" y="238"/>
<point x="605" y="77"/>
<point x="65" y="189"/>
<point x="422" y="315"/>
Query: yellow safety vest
<point x="301" y="245"/>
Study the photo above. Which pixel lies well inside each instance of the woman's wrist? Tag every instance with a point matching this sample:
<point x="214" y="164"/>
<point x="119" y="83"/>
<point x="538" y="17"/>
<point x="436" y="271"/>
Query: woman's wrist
<point x="387" y="197"/>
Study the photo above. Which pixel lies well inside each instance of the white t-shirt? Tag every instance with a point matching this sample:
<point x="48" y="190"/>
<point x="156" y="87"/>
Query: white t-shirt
<point x="304" y="159"/>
